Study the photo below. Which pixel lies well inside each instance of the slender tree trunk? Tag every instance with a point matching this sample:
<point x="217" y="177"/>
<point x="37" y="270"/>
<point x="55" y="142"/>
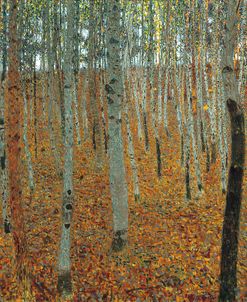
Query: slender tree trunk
<point x="229" y="250"/>
<point x="54" y="149"/>
<point x="35" y="106"/>
<point x="102" y="109"/>
<point x="201" y="127"/>
<point x="151" y="68"/>
<point x="187" y="164"/>
<point x="199" y="109"/>
<point x="144" y="108"/>
<point x="167" y="68"/>
<point x="76" y="63"/>
<point x="192" y="130"/>
<point x="114" y="90"/>
<point x="160" y="74"/>
<point x="205" y="80"/>
<point x="84" y="107"/>
<point x="144" y="86"/>
<point x="137" y="109"/>
<point x="64" y="262"/>
<point x="14" y="153"/>
<point x="43" y="77"/>
<point x="96" y="127"/>
<point x="3" y="158"/>
<point x="166" y="98"/>
<point x="177" y="96"/>
<point x="212" y="114"/>
<point x="56" y="50"/>
<point x="76" y="110"/>
<point x="161" y="69"/>
<point x="221" y="105"/>
<point x="25" y="139"/>
<point x="132" y="155"/>
<point x="187" y="154"/>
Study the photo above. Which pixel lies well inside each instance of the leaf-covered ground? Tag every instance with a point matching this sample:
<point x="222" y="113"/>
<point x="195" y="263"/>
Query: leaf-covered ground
<point x="174" y="245"/>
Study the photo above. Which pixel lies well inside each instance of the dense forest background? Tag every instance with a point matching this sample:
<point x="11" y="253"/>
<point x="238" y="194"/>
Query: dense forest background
<point x="122" y="146"/>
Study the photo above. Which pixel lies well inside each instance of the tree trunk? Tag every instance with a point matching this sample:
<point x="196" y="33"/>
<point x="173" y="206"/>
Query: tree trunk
<point x="229" y="250"/>
<point x="35" y="106"/>
<point x="84" y="107"/>
<point x="144" y="86"/>
<point x="177" y="95"/>
<point x="3" y="159"/>
<point x="190" y="124"/>
<point x="14" y="153"/>
<point x="64" y="262"/>
<point x="102" y="102"/>
<point x="132" y="155"/>
<point x="25" y="138"/>
<point x="50" y="53"/>
<point x="56" y="50"/>
<point x="96" y="127"/>
<point x="114" y="90"/>
<point x="144" y="108"/>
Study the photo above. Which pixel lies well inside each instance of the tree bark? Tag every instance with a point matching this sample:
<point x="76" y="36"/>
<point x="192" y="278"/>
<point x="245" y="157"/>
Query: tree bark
<point x="25" y="138"/>
<point x="64" y="262"/>
<point x="50" y="54"/>
<point x="14" y="154"/>
<point x="3" y="158"/>
<point x="114" y="90"/>
<point x="96" y="127"/>
<point x="229" y="250"/>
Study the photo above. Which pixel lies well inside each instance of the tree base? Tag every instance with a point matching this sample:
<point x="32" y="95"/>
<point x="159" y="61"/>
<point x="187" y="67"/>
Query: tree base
<point x="119" y="241"/>
<point x="64" y="285"/>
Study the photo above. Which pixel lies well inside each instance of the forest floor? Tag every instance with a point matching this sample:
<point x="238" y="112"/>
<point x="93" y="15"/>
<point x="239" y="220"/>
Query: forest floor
<point x="174" y="245"/>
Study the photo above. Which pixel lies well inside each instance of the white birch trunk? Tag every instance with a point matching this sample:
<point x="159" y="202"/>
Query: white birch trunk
<point x="132" y="155"/>
<point x="102" y="101"/>
<point x="43" y="80"/>
<point x="160" y="74"/>
<point x="176" y="94"/>
<point x="144" y="108"/>
<point x="64" y="261"/>
<point x="137" y="109"/>
<point x="192" y="130"/>
<point x="25" y="139"/>
<point x="187" y="161"/>
<point x="166" y="98"/>
<point x="212" y="111"/>
<point x="220" y="110"/>
<point x="3" y="157"/>
<point x="199" y="104"/>
<point x="76" y="110"/>
<point x="114" y="90"/>
<point x="3" y="163"/>
<point x="84" y="108"/>
<point x="51" y="99"/>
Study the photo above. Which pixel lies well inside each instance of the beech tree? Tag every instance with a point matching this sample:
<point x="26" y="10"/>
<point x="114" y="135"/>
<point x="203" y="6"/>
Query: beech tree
<point x="114" y="90"/>
<point x="14" y="154"/>
<point x="96" y="128"/>
<point x="64" y="262"/>
<point x="230" y="235"/>
<point x="3" y="157"/>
